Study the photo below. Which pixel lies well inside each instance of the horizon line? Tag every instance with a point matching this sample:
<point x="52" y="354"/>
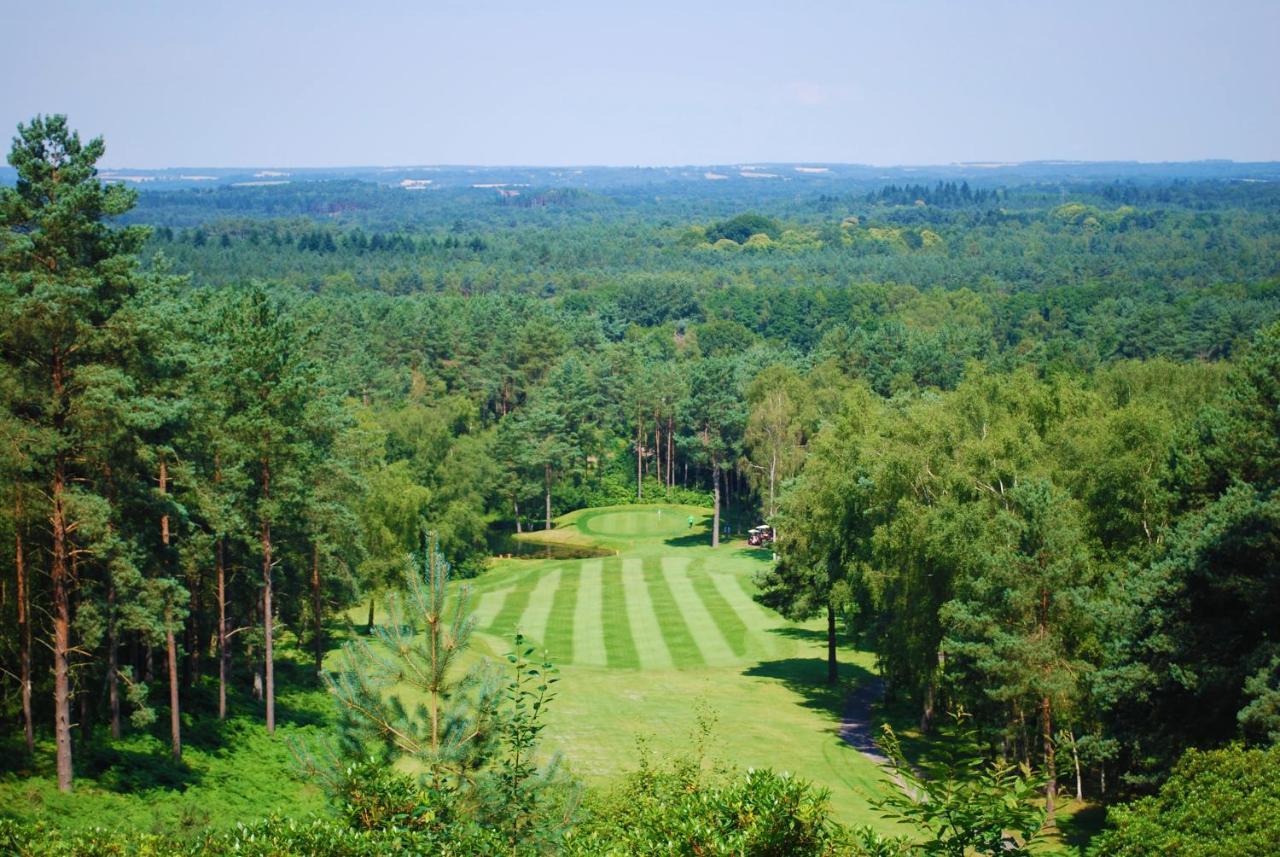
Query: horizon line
<point x="747" y="164"/>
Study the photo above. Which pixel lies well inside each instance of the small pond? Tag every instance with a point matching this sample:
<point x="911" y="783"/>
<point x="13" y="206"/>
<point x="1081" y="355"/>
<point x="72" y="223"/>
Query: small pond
<point x="504" y="544"/>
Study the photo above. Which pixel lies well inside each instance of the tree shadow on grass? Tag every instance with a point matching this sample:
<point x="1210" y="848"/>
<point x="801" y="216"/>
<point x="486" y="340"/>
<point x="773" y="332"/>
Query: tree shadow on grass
<point x="127" y="769"/>
<point x="1082" y="826"/>
<point x="902" y="713"/>
<point x="697" y="538"/>
<point x="807" y="635"/>
<point x="15" y="761"/>
<point x="301" y="701"/>
<point x="807" y="677"/>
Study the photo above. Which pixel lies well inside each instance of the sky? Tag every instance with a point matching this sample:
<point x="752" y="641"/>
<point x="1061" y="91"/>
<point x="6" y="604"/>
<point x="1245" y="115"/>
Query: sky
<point x="316" y="83"/>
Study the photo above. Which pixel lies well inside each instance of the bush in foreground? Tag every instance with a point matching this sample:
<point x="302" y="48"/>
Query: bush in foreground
<point x="756" y="812"/>
<point x="1214" y="803"/>
<point x="275" y="837"/>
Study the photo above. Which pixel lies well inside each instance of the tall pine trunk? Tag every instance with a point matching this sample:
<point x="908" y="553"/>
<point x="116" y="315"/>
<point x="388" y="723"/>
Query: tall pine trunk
<point x="1075" y="759"/>
<point x="268" y="649"/>
<point x="171" y="644"/>
<point x="315" y="606"/>
<point x="833" y="666"/>
<point x="224" y="656"/>
<point x="113" y="661"/>
<point x="715" y="520"/>
<point x="657" y="447"/>
<point x="175" y="716"/>
<point x="1050" y="772"/>
<point x="1046" y="719"/>
<point x="671" y="476"/>
<point x="58" y="572"/>
<point x="61" y="625"/>
<point x="24" y="625"/>
<point x="546" y="475"/>
<point x="639" y="458"/>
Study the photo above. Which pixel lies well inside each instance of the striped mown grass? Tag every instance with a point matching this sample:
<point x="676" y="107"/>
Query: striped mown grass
<point x="654" y="610"/>
<point x="641" y="636"/>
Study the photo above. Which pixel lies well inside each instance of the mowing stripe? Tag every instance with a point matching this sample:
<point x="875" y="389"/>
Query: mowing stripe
<point x="533" y="622"/>
<point x="489" y="605"/>
<point x="560" y="632"/>
<point x="619" y="648"/>
<point x="756" y="618"/>
<point x="588" y="623"/>
<point x="732" y="628"/>
<point x="676" y="632"/>
<point x="506" y="619"/>
<point x="651" y="649"/>
<point x="711" y="643"/>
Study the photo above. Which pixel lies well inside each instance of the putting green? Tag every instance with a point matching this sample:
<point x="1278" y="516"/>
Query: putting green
<point x="643" y="636"/>
<point x="646" y="522"/>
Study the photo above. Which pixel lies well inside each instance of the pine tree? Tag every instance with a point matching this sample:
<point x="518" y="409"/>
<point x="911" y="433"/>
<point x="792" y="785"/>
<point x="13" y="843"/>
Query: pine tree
<point x="403" y="695"/>
<point x="332" y="524"/>
<point x="66" y="274"/>
<point x="453" y="730"/>
<point x="1021" y="616"/>
<point x="16" y="461"/>
<point x="545" y="442"/>
<point x="266" y="383"/>
<point x="716" y="414"/>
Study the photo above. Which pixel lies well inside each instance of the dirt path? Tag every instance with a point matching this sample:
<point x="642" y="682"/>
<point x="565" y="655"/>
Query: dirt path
<point x="856" y="731"/>
<point x="855" y="725"/>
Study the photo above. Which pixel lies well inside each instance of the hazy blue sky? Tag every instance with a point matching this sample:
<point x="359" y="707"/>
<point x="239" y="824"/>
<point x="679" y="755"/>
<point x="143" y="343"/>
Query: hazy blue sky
<point x="318" y="83"/>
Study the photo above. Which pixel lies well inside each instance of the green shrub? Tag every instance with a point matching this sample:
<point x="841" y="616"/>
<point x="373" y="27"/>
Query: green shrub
<point x="375" y="796"/>
<point x="685" y="810"/>
<point x="616" y="486"/>
<point x="1214" y="803"/>
<point x="381" y="802"/>
<point x="965" y="803"/>
<point x="739" y="229"/>
<point x="274" y="837"/>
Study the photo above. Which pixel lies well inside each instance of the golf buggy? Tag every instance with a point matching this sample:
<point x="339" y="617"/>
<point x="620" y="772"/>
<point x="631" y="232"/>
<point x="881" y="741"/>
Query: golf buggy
<point x="760" y="536"/>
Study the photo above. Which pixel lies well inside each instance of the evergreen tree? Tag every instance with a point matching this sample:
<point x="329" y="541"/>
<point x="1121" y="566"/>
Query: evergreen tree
<point x="1022" y="619"/>
<point x="65" y="275"/>
<point x="714" y="412"/>
<point x="16" y="465"/>
<point x="452" y="731"/>
<point x="268" y="384"/>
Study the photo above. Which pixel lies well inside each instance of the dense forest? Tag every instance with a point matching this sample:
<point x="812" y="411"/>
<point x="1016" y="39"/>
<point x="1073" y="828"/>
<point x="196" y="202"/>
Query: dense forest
<point x="1019" y="436"/>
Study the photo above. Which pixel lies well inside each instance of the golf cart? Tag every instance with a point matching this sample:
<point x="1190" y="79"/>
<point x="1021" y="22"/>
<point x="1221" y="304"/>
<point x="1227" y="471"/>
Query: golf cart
<point x="760" y="536"/>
